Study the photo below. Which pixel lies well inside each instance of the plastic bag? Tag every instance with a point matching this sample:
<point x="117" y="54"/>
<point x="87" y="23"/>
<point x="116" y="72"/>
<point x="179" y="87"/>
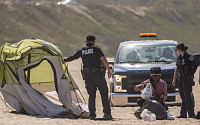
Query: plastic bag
<point x="148" y="116"/>
<point x="147" y="92"/>
<point x="170" y="116"/>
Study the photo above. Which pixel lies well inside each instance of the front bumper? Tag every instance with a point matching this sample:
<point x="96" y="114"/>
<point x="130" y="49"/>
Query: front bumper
<point x="125" y="99"/>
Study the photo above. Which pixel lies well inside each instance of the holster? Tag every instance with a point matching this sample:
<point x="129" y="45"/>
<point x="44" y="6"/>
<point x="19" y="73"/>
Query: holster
<point x="103" y="70"/>
<point x="87" y="70"/>
<point x="83" y="73"/>
<point x="90" y="70"/>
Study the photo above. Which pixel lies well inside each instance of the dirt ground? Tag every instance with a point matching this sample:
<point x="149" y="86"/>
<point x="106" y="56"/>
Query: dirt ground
<point x="122" y="115"/>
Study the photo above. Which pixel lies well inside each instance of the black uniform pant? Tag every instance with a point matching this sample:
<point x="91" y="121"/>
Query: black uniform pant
<point x="93" y="82"/>
<point x="187" y="97"/>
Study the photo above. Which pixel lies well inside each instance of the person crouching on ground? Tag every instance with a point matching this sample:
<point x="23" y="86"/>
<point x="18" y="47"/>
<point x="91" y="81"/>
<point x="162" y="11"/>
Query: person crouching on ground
<point x="159" y="86"/>
<point x="153" y="106"/>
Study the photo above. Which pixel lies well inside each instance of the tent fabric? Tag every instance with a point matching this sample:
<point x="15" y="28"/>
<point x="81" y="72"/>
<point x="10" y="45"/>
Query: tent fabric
<point x="34" y="61"/>
<point x="33" y="48"/>
<point x="30" y="101"/>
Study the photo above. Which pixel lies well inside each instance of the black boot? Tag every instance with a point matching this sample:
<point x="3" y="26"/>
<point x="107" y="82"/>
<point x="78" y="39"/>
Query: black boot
<point x="92" y="118"/>
<point x="181" y="116"/>
<point x="198" y="115"/>
<point x="107" y="117"/>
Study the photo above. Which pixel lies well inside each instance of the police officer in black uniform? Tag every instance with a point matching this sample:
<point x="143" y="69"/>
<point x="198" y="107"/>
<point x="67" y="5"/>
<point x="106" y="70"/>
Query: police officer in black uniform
<point x="94" y="75"/>
<point x="184" y="76"/>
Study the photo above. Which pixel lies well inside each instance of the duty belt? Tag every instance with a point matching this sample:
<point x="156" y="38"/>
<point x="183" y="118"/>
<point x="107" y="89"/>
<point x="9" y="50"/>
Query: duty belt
<point x="92" y="69"/>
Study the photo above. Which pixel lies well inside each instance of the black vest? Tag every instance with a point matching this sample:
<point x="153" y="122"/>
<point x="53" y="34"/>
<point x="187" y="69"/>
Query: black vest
<point x="186" y="64"/>
<point x="91" y="56"/>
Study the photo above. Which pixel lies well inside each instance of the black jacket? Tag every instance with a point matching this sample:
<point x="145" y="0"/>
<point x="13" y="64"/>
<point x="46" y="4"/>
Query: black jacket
<point x="186" y="64"/>
<point x="90" y="55"/>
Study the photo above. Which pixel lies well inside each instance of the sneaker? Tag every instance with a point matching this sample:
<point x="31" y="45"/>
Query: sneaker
<point x="198" y="115"/>
<point x="107" y="117"/>
<point x="181" y="116"/>
<point x="92" y="118"/>
<point x="137" y="115"/>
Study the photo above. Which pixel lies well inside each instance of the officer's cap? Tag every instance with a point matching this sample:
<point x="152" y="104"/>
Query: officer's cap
<point x="182" y="47"/>
<point x="90" y="38"/>
<point x="155" y="71"/>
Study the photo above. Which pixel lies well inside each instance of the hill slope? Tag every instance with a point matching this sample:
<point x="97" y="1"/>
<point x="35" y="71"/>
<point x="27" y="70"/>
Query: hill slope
<point x="67" y="26"/>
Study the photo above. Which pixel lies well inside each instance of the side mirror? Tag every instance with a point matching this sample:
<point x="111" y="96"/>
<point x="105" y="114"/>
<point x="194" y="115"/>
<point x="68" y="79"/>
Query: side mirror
<point x="111" y="64"/>
<point x="197" y="58"/>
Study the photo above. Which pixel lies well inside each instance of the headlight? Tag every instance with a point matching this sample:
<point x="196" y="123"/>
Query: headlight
<point x="118" y="88"/>
<point x="118" y="83"/>
<point x="176" y="89"/>
<point x="118" y="78"/>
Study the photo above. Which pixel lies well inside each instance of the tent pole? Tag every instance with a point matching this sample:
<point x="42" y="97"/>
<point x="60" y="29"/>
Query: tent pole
<point x="66" y="69"/>
<point x="76" y="96"/>
<point x="81" y="95"/>
<point x="79" y="89"/>
<point x="29" y="72"/>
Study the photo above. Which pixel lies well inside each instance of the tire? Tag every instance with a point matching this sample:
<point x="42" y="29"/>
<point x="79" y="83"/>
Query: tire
<point x="111" y="90"/>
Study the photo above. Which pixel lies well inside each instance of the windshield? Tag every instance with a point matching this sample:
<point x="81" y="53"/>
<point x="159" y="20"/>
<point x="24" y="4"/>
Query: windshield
<point x="154" y="53"/>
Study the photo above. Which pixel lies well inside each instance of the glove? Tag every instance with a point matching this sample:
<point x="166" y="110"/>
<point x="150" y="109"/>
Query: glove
<point x="159" y="97"/>
<point x="153" y="97"/>
<point x="141" y="87"/>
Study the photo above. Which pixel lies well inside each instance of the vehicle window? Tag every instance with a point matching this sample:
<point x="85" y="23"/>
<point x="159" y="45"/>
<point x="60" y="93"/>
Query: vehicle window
<point x="137" y="54"/>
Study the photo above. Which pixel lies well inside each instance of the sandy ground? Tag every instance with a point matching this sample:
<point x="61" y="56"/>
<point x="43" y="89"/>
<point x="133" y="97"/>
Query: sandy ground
<point x="122" y="115"/>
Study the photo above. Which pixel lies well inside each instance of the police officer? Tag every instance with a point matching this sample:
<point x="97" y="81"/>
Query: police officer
<point x="94" y="75"/>
<point x="184" y="73"/>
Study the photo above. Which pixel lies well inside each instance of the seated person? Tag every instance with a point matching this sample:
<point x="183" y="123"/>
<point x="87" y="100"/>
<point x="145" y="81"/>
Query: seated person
<point x="159" y="87"/>
<point x="168" y="53"/>
<point x="153" y="106"/>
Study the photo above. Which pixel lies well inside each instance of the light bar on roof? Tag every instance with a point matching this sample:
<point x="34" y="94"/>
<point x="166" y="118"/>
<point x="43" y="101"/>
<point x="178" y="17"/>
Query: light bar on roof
<point x="147" y="34"/>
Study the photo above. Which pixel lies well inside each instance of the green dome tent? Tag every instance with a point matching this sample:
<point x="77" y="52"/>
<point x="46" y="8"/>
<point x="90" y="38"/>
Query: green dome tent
<point x="34" y="62"/>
